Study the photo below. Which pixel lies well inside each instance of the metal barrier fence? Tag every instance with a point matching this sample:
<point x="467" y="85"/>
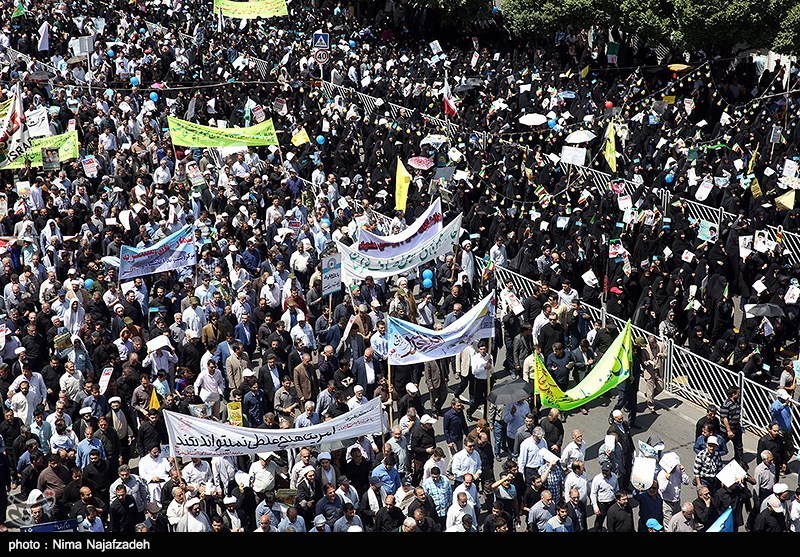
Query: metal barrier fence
<point x="686" y="374"/>
<point x="789" y="240"/>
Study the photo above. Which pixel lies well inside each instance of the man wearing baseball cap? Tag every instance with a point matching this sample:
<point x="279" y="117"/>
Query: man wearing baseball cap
<point x="707" y="465"/>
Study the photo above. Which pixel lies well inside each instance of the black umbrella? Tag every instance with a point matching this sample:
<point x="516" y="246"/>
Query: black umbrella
<point x="766" y="310"/>
<point x="513" y="391"/>
<point x="469" y="84"/>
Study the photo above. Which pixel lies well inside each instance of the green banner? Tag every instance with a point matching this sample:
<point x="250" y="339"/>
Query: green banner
<point x="190" y="134"/>
<point x="612" y="369"/>
<point x="251" y="10"/>
<point x="67" y="144"/>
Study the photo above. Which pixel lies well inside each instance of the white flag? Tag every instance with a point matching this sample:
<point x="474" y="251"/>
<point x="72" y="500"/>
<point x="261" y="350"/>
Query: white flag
<point x="44" y="36"/>
<point x="220" y="22"/>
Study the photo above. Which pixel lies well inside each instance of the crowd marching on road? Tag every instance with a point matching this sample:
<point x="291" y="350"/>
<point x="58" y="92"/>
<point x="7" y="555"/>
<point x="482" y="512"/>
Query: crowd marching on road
<point x="106" y="328"/>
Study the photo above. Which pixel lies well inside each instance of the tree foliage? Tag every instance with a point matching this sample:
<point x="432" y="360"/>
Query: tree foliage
<point x="713" y="25"/>
<point x="788" y="38"/>
<point x="538" y="18"/>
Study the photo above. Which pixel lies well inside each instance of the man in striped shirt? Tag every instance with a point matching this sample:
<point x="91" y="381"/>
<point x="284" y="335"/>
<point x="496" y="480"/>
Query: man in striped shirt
<point x="707" y="465"/>
<point x="730" y="415"/>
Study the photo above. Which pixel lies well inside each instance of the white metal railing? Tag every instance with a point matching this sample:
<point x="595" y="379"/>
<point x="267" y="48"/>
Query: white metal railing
<point x="790" y="240"/>
<point x="686" y="374"/>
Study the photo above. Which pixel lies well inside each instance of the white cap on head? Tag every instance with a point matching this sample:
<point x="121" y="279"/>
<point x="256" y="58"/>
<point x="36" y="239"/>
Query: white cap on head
<point x="265" y="455"/>
<point x="85" y="411"/>
<point x="358" y="388"/>
<point x="783" y="395"/>
<point x="411" y="388"/>
<point x="229" y="500"/>
<point x="427" y="419"/>
<point x="712" y="440"/>
<point x="248" y="373"/>
<point x="324" y="456"/>
<point x="192" y="502"/>
<point x="114" y="399"/>
<point x="774" y="504"/>
<point x="777" y="489"/>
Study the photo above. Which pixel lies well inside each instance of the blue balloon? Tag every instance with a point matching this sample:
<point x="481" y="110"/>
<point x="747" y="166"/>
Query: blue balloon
<point x="142" y="31"/>
<point x="88" y="283"/>
<point x="134" y="81"/>
<point x="352" y="44"/>
<point x="154" y="97"/>
<point x="551" y="123"/>
<point x="110" y="53"/>
<point x="427" y="283"/>
<point x="669" y="178"/>
<point x="427" y="274"/>
<point x="321" y="139"/>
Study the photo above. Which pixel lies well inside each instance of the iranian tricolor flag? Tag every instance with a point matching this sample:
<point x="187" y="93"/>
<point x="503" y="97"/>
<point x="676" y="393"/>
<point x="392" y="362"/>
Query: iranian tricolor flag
<point x="14" y="137"/>
<point x="450" y="108"/>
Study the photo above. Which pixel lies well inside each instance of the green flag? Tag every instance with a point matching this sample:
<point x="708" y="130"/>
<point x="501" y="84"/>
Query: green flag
<point x="18" y="11"/>
<point x="189" y="134"/>
<point x="612" y="369"/>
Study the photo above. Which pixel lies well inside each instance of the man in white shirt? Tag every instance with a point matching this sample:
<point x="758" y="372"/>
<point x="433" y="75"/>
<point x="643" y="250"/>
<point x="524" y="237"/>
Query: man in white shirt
<point x="466" y="461"/>
<point x="577" y="479"/>
<point x="575" y="450"/>
<point x="529" y="459"/>
<point x="481" y="363"/>
<point x="303" y="331"/>
<point x="263" y="473"/>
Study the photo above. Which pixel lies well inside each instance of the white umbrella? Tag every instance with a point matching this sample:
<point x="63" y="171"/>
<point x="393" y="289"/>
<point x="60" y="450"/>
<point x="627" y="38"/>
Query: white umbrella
<point x="435" y="140"/>
<point x="532" y="119"/>
<point x="580" y="136"/>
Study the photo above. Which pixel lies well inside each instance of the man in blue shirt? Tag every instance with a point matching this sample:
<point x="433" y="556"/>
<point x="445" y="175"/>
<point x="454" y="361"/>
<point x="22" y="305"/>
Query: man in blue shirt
<point x="388" y="474"/>
<point x="85" y="447"/>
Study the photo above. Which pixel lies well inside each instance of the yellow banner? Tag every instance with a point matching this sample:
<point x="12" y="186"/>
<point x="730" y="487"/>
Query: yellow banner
<point x="401" y="182"/>
<point x="68" y="148"/>
<point x="190" y="134"/>
<point x="611" y="148"/>
<point x="300" y="138"/>
<point x="4" y="106"/>
<point x="251" y="10"/>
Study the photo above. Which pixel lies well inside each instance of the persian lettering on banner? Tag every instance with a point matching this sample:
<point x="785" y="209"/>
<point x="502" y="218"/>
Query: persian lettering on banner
<point x="428" y="225"/>
<point x="198" y="437"/>
<point x="358" y="265"/>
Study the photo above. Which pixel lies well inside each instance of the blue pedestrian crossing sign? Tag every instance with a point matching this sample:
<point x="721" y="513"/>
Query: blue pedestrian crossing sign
<point x="321" y="41"/>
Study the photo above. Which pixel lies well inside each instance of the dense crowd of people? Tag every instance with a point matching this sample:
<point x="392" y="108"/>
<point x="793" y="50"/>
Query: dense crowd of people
<point x="249" y="323"/>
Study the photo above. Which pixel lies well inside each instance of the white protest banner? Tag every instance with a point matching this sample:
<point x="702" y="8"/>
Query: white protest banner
<point x="643" y="472"/>
<point x="428" y="225"/>
<point x="731" y="474"/>
<point x="105" y="378"/>
<point x="38" y="125"/>
<point x="359" y="266"/>
<point x="410" y="344"/>
<point x="573" y="155"/>
<point x="789" y="168"/>
<point x="198" y="437"/>
<point x="331" y="274"/>
<point x="173" y="252"/>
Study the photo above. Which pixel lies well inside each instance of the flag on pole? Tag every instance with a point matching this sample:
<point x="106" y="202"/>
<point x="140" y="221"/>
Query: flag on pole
<point x="19" y="10"/>
<point x="785" y="202"/>
<point x="401" y="182"/>
<point x="44" y="37"/>
<point x="300" y="138"/>
<point x="450" y="108"/>
<point x="154" y="404"/>
<point x="611" y="147"/>
<point x="724" y="523"/>
<point x="15" y="137"/>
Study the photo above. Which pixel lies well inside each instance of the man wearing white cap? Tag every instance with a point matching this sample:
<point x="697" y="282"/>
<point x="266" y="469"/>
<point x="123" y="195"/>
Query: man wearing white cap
<point x="194" y="520"/>
<point x="263" y="473"/>
<point x="781" y="413"/>
<point x="358" y="398"/>
<point x="772" y="517"/>
<point x="707" y="465"/>
<point x="230" y="516"/>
